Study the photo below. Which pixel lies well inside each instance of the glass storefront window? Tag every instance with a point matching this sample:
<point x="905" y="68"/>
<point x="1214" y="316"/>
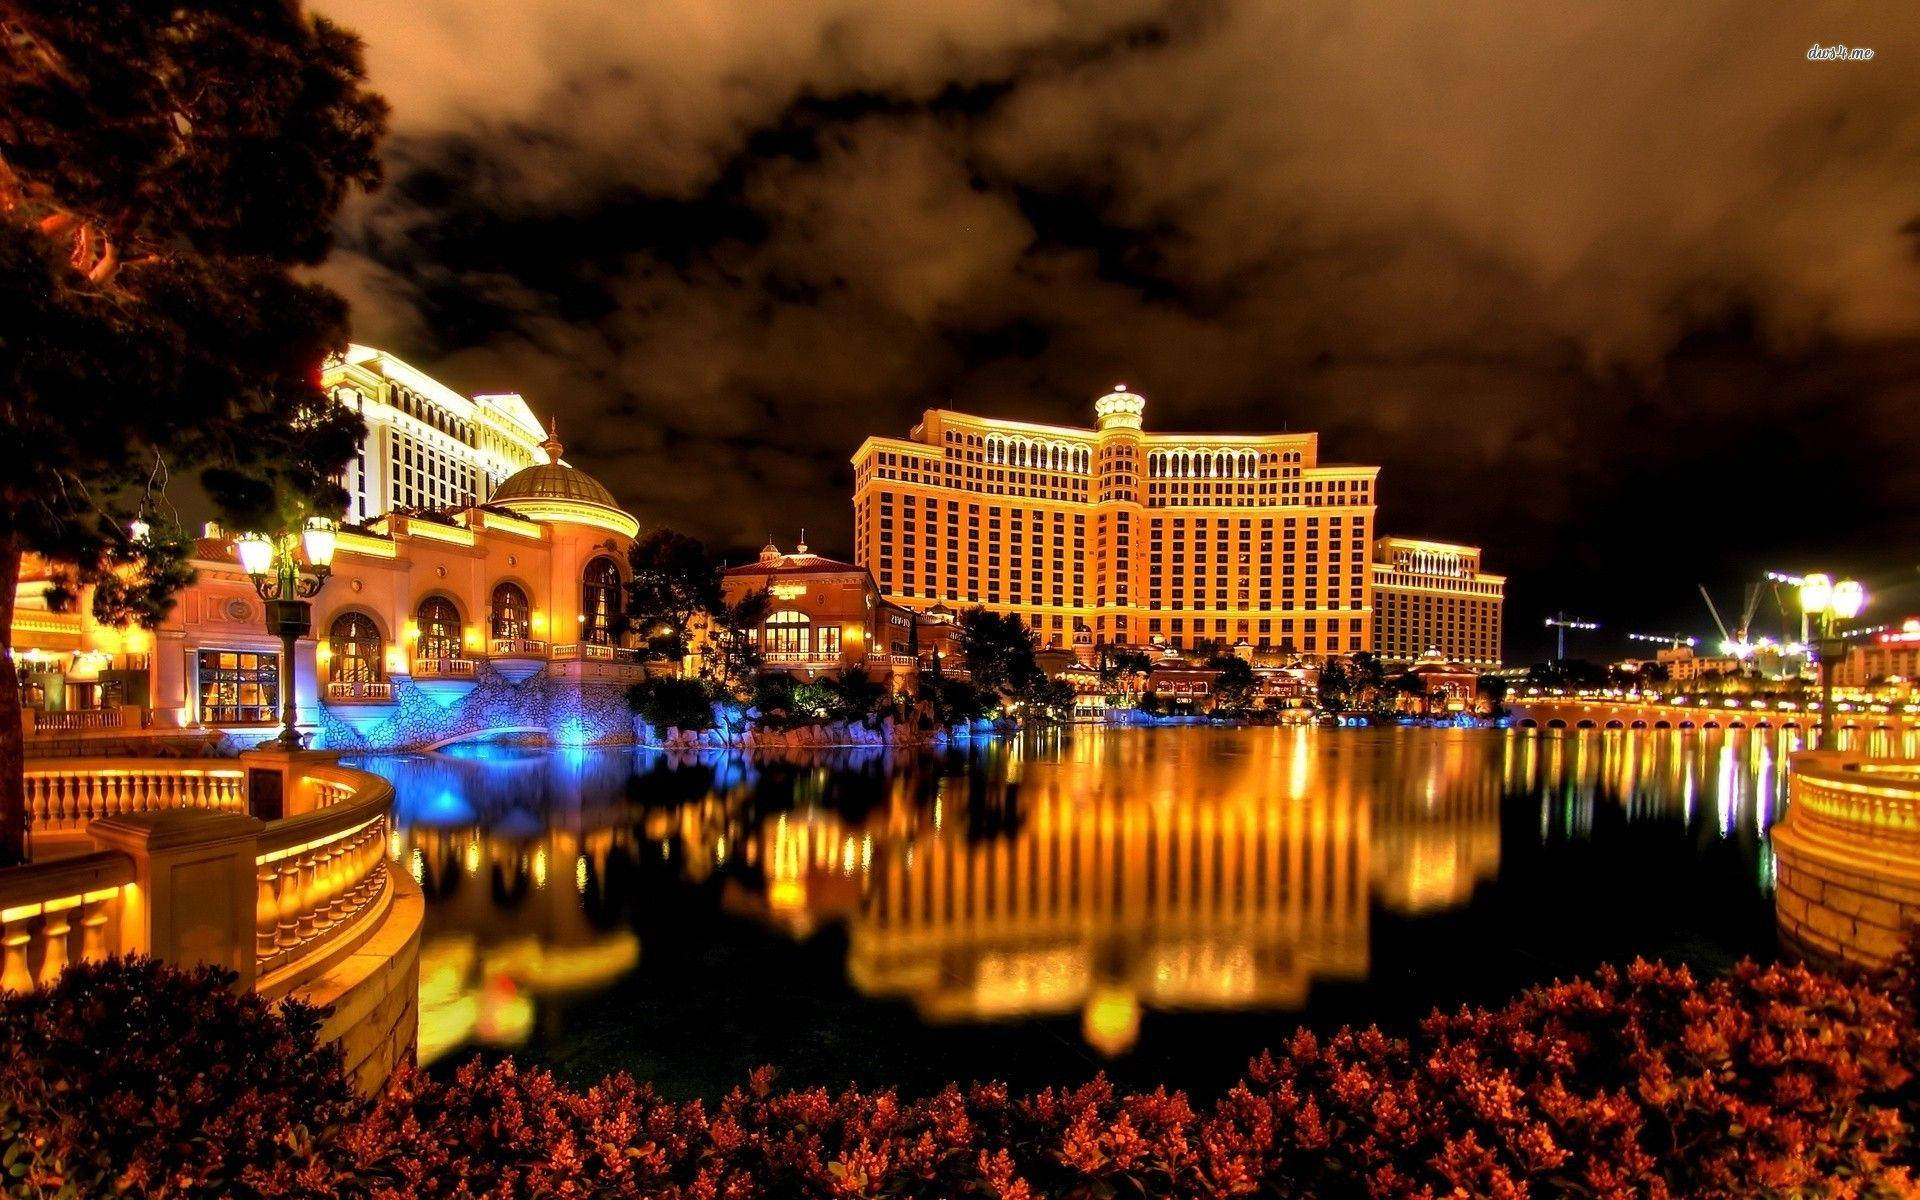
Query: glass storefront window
<point x="239" y="687"/>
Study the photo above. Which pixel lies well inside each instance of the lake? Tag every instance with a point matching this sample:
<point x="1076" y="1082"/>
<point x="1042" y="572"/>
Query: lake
<point x="1159" y="904"/>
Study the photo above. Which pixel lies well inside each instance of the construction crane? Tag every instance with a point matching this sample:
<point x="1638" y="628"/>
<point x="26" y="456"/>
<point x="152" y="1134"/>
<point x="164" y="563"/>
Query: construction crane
<point x="1560" y="622"/>
<point x="1735" y="641"/>
<point x="1671" y="640"/>
<point x="1781" y="579"/>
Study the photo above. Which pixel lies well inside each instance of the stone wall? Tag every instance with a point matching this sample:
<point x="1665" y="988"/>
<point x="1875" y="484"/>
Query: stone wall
<point x="1847" y="857"/>
<point x="572" y="712"/>
<point x="375" y="993"/>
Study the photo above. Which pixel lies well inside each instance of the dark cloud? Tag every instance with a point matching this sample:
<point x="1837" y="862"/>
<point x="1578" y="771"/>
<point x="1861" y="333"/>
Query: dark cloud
<point x="1626" y="293"/>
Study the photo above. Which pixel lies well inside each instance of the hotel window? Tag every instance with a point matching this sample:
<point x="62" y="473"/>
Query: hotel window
<point x="440" y="630"/>
<point x="238" y="687"/>
<point x="599" y="601"/>
<point x="508" y="612"/>
<point x="786" y="633"/>
<point x="353" y="646"/>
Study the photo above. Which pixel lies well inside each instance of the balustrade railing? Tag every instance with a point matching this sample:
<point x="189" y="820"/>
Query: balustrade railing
<point x="516" y="648"/>
<point x="1839" y="797"/>
<point x="446" y="668"/>
<point x="63" y="795"/>
<point x="79" y="719"/>
<point x="322" y="874"/>
<point x="364" y="691"/>
<point x="52" y="914"/>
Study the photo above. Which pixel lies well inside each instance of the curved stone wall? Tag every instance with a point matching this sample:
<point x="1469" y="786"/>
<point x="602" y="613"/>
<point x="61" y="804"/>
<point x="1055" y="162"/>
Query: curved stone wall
<point x="1847" y="887"/>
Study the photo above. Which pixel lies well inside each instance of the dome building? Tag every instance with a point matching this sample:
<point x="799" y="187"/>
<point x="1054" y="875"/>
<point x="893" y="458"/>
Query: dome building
<point x="435" y="625"/>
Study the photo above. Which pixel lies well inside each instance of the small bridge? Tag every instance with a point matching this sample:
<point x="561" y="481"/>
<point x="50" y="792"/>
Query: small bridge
<point x="1576" y="712"/>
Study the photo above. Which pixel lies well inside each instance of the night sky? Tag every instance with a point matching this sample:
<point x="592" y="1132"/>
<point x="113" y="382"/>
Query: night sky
<point x="1627" y="293"/>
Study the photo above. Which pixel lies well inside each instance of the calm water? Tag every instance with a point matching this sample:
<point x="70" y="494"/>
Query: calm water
<point x="1158" y="903"/>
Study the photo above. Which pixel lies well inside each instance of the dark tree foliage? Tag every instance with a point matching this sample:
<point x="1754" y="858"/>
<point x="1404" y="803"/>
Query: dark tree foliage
<point x="998" y="650"/>
<point x="669" y="702"/>
<point x="674" y="581"/>
<point x="1233" y="688"/>
<point x="164" y="170"/>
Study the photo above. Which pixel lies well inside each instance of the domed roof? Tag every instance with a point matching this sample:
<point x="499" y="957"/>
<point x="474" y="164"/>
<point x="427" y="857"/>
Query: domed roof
<point x="551" y="491"/>
<point x="552" y="480"/>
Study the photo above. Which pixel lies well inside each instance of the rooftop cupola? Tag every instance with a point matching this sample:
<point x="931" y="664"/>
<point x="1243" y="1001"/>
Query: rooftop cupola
<point x="1120" y="408"/>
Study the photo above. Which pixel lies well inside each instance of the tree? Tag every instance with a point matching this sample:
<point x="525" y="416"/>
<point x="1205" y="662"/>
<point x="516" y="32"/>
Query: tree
<point x="997" y="649"/>
<point x="1492" y="689"/>
<point x="164" y="169"/>
<point x="670" y="702"/>
<point x="1335" y="689"/>
<point x="1233" y="688"/>
<point x="674" y="581"/>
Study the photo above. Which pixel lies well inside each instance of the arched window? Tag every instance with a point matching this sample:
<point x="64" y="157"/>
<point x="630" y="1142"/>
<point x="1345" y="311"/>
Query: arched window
<point x="440" y="630"/>
<point x="508" y="615"/>
<point x="353" y="641"/>
<point x="599" y="601"/>
<point x="787" y="633"/>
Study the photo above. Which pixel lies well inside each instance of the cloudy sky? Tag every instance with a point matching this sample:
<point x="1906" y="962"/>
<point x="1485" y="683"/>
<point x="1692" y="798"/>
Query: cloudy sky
<point x="1627" y="292"/>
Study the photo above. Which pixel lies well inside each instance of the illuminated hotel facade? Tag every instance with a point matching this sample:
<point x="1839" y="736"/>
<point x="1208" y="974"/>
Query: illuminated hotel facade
<point x="1432" y="600"/>
<point x="1185" y="539"/>
<point x="427" y="446"/>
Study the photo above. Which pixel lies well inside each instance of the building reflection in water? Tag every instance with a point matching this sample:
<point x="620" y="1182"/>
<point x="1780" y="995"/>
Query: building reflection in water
<point x="1103" y="874"/>
<point x="519" y="856"/>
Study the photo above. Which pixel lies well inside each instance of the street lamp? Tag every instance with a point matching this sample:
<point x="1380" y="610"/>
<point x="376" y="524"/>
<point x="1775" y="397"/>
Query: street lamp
<point x="1827" y="603"/>
<point x="287" y="570"/>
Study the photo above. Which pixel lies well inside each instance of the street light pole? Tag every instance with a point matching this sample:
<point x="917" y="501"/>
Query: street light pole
<point x="275" y="565"/>
<point x="1826" y="603"/>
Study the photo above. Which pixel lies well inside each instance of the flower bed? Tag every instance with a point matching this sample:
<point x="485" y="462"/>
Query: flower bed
<point x="1642" y="1082"/>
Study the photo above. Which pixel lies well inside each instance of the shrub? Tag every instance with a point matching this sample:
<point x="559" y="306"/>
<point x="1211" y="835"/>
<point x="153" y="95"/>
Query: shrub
<point x="1642" y="1082"/>
<point x="670" y="702"/>
<point x="129" y="1077"/>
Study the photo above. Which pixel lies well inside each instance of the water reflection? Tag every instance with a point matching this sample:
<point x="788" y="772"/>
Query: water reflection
<point x="1092" y="877"/>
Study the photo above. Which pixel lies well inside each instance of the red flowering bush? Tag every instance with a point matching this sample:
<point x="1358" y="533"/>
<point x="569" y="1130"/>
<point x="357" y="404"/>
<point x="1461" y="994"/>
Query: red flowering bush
<point x="130" y="1078"/>
<point x="1643" y="1082"/>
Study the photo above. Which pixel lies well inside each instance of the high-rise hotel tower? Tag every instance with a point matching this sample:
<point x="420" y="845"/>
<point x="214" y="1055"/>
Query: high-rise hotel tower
<point x="1133" y="536"/>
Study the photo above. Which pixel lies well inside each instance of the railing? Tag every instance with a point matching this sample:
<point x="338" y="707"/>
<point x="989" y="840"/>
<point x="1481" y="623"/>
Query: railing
<point x="63" y="795"/>
<point x="366" y="691"/>
<point x="57" y="913"/>
<point x="445" y="668"/>
<point x="595" y="652"/>
<point x="516" y="648"/>
<point x="322" y="875"/>
<point x="78" y="719"/>
<point x="1838" y="797"/>
<point x="803" y="657"/>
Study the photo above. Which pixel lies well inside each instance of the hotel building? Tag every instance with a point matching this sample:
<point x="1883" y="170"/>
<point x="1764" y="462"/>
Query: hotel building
<point x="432" y="626"/>
<point x="1186" y="539"/>
<point x="1432" y="600"/>
<point x="427" y="446"/>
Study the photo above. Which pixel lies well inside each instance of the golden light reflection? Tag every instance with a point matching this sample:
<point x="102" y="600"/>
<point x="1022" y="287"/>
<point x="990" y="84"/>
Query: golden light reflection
<point x="1097" y="879"/>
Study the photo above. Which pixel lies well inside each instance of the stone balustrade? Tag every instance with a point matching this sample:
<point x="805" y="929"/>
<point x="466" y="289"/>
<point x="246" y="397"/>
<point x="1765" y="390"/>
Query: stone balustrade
<point x="1847" y="885"/>
<point x="322" y="874"/>
<point x="64" y="795"/>
<point x="59" y="913"/>
<point x="305" y="906"/>
<point x="74" y="720"/>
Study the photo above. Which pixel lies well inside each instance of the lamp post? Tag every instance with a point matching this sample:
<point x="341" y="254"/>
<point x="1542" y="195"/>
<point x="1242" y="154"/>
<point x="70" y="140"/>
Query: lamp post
<point x="288" y="570"/>
<point x="1827" y="603"/>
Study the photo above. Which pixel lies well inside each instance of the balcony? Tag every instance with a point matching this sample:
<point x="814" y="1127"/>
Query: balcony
<point x="517" y="659"/>
<point x="361" y="703"/>
<point x="362" y="691"/>
<point x="445" y="668"/>
<point x="598" y="660"/>
<point x="446" y="681"/>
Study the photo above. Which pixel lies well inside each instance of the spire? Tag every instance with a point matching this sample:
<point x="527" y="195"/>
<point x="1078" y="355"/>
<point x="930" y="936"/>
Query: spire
<point x="552" y="445"/>
<point x="802" y="547"/>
